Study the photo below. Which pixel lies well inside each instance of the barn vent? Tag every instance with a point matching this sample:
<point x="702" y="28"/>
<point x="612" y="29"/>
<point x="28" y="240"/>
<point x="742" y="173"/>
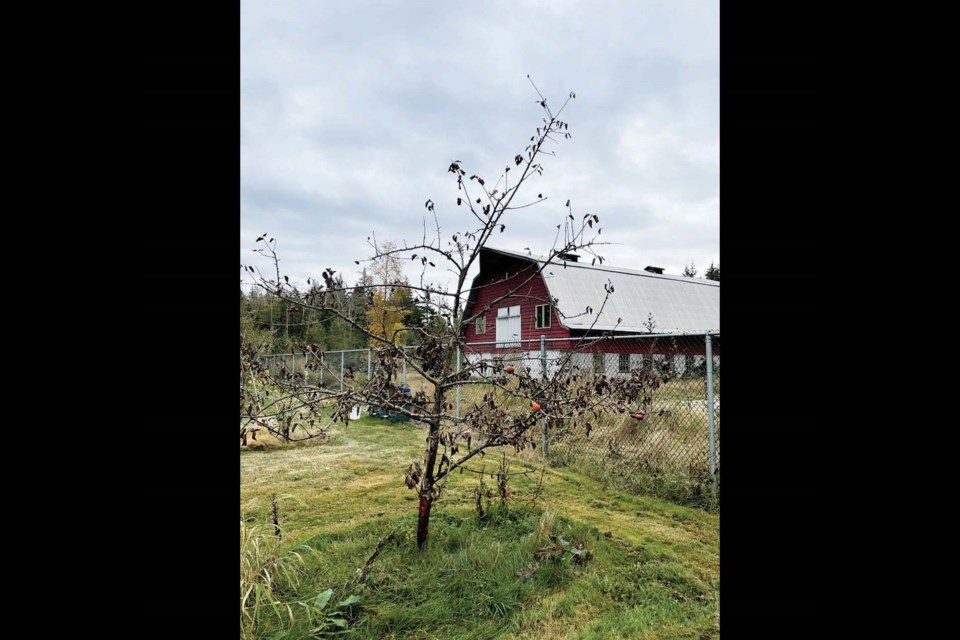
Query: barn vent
<point x="569" y="257"/>
<point x="654" y="269"/>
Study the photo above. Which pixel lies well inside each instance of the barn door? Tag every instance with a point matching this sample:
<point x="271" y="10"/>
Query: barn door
<point x="508" y="326"/>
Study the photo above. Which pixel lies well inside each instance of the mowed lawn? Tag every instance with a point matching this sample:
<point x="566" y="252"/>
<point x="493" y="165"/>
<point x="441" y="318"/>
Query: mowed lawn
<point x="652" y="569"/>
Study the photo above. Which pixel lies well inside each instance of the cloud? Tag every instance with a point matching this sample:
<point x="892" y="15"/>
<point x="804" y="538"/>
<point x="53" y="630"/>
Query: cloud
<point x="351" y="112"/>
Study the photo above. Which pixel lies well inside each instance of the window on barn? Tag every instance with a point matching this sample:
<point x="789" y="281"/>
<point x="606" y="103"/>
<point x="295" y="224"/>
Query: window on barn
<point x="624" y="364"/>
<point x="508" y="327"/>
<point x="543" y="316"/>
<point x="598" y="363"/>
<point x="481" y="325"/>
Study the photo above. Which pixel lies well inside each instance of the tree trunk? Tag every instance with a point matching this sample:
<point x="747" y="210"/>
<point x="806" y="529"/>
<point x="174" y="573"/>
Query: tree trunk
<point x="423" y="521"/>
<point x="429" y="461"/>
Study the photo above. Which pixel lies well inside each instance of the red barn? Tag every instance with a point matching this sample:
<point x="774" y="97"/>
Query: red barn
<point x="517" y="298"/>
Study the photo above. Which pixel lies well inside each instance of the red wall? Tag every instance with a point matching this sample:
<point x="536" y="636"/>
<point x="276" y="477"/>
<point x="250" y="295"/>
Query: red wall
<point x="529" y="296"/>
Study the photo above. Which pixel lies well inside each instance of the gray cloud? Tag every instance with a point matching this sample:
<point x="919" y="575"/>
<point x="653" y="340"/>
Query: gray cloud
<point x="351" y="112"/>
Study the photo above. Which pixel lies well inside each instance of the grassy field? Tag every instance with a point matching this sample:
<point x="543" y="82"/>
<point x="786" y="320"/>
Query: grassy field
<point x="652" y="571"/>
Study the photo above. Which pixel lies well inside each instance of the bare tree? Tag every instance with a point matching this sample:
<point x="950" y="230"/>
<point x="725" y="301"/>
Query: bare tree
<point x="566" y="396"/>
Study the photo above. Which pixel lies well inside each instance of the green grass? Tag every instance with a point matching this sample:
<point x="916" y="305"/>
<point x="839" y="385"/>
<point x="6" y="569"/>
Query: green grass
<point x="653" y="570"/>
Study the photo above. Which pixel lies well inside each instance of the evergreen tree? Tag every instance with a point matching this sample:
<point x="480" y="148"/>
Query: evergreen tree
<point x="712" y="272"/>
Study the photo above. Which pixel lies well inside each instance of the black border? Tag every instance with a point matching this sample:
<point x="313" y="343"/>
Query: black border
<point x="191" y="176"/>
<point x="770" y="320"/>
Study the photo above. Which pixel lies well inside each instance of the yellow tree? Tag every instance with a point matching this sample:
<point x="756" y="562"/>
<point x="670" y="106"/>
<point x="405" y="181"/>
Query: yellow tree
<point x="386" y="316"/>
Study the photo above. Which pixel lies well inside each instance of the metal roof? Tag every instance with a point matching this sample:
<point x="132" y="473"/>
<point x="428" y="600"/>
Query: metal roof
<point x="677" y="303"/>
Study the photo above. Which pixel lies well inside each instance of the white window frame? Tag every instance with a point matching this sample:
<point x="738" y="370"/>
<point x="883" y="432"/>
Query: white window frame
<point x="541" y="319"/>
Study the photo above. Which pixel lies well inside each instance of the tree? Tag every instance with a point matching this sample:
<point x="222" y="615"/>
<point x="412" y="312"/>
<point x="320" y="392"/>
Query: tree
<point x="712" y="272"/>
<point x="387" y="316"/>
<point x="563" y="395"/>
<point x="690" y="271"/>
<point x="423" y="315"/>
<point x="387" y="270"/>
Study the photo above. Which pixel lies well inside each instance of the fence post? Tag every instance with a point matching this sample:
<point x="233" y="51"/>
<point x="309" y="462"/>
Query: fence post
<point x="369" y="368"/>
<point x="458" y="381"/>
<point x="710" y="416"/>
<point x="293" y="364"/>
<point x="404" y="370"/>
<point x="341" y="371"/>
<point x="543" y="374"/>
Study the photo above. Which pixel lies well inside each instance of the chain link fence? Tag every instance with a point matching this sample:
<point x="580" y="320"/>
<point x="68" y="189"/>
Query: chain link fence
<point x="665" y="441"/>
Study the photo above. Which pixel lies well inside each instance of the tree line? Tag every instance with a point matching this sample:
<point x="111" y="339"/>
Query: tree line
<point x="381" y="300"/>
<point x="712" y="272"/>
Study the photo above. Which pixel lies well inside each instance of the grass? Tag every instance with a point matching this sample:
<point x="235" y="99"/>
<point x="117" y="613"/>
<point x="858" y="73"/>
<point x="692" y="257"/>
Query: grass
<point x="665" y="455"/>
<point x="653" y="570"/>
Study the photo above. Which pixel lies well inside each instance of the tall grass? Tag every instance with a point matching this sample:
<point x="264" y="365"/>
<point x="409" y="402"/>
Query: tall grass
<point x="266" y="575"/>
<point x="272" y="599"/>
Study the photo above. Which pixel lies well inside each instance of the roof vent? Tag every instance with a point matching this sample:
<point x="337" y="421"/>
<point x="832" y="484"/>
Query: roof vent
<point x="570" y="257"/>
<point x="654" y="269"/>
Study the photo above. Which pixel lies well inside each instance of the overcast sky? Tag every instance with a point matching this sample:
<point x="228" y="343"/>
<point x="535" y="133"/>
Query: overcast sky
<point x="351" y="112"/>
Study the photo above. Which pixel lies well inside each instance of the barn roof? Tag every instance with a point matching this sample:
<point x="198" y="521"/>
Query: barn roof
<point x="677" y="303"/>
